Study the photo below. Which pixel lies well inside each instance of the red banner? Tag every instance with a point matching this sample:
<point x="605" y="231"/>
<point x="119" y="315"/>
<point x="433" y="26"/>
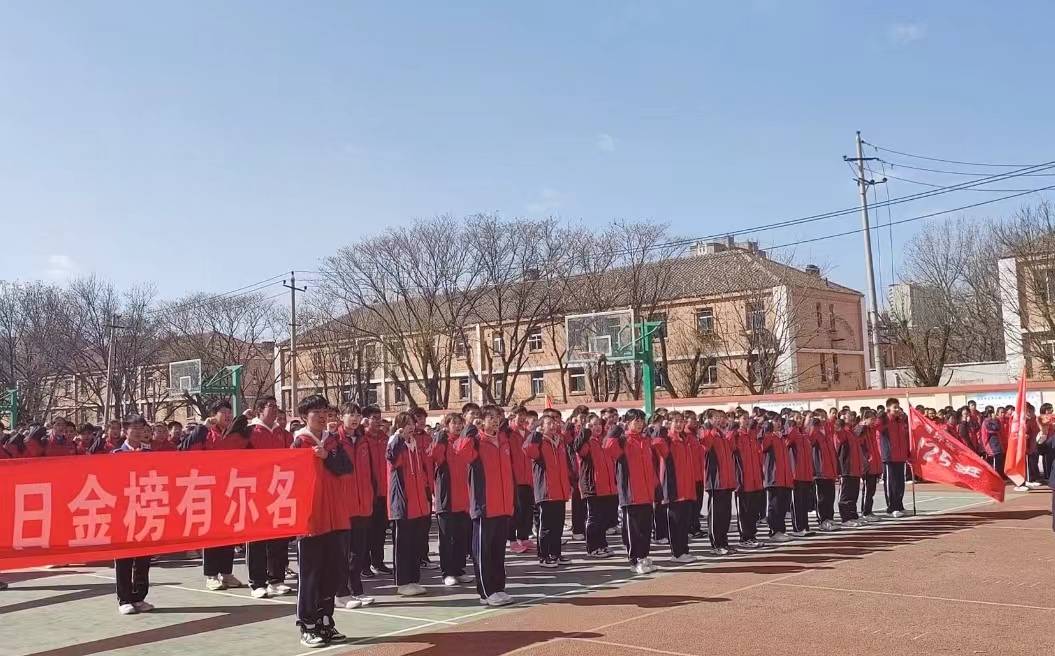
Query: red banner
<point x="1015" y="460"/>
<point x="79" y="509"/>
<point x="941" y="458"/>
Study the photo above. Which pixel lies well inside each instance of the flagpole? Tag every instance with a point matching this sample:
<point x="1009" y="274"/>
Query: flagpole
<point x="911" y="451"/>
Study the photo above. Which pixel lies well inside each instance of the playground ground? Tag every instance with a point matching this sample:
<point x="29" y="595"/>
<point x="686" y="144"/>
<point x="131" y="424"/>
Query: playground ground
<point x="965" y="576"/>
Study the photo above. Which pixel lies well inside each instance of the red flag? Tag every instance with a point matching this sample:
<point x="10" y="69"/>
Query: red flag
<point x="1015" y="462"/>
<point x="941" y="458"/>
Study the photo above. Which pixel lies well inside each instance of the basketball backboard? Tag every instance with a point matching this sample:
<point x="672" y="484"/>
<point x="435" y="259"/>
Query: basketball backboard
<point x="185" y="376"/>
<point x="607" y="334"/>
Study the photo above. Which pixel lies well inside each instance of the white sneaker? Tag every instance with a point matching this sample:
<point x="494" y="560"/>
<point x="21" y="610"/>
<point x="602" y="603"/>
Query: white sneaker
<point x="612" y="531"/>
<point x="143" y="607"/>
<point x="278" y="589"/>
<point x="450" y="581"/>
<point x="779" y="537"/>
<point x="364" y="600"/>
<point x="498" y="600"/>
<point x="897" y="513"/>
<point x="652" y="567"/>
<point x="648" y="560"/>
<point x="1032" y="484"/>
<point x="872" y="518"/>
<point x="505" y="595"/>
<point x="663" y="541"/>
<point x="410" y="590"/>
<point x="578" y="536"/>
<point x="466" y="578"/>
<point x="214" y="583"/>
<point x="258" y="593"/>
<point x="685" y="558"/>
<point x="640" y="568"/>
<point x="230" y="581"/>
<point x="127" y="609"/>
<point x="797" y="534"/>
<point x="349" y="602"/>
<point x="1021" y="488"/>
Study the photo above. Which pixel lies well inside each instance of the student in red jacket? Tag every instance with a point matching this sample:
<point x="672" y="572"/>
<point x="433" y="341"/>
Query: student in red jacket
<point x="750" y="495"/>
<point x="873" y="469"/>
<point x="779" y="478"/>
<point x="636" y="481"/>
<point x="597" y="486"/>
<point x="424" y="438"/>
<point x="720" y="479"/>
<point x="850" y="447"/>
<point x="825" y="470"/>
<point x="60" y="441"/>
<point x="892" y="427"/>
<point x="358" y="490"/>
<point x="677" y="482"/>
<point x="801" y="450"/>
<point x="552" y="487"/>
<point x="408" y="504"/>
<point x="133" y="574"/>
<point x="377" y="441"/>
<point x="486" y="448"/>
<point x="692" y="430"/>
<point x="451" y="499"/>
<point x="523" y="494"/>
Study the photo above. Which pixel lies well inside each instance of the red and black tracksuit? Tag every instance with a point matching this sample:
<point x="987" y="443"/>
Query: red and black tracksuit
<point x="873" y="470"/>
<point x="490" y="504"/>
<point x="597" y="487"/>
<point x="692" y="435"/>
<point x="266" y="560"/>
<point x="894" y="452"/>
<point x="578" y="504"/>
<point x="801" y="450"/>
<point x="994" y="450"/>
<point x="750" y="495"/>
<point x="377" y="441"/>
<point x="825" y="471"/>
<point x="408" y="505"/>
<point x="719" y="466"/>
<point x="132" y="575"/>
<point x="523" y="494"/>
<point x="635" y="476"/>
<point x="851" y="449"/>
<point x="551" y="476"/>
<point x="450" y="498"/>
<point x="359" y="490"/>
<point x="779" y="480"/>
<point x="677" y="482"/>
<point x="424" y="441"/>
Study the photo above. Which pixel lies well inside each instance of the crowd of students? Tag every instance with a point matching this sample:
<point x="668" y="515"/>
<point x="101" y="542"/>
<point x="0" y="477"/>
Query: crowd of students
<point x="499" y="481"/>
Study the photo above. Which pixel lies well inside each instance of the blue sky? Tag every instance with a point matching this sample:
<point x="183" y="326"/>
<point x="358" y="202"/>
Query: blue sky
<point x="209" y="145"/>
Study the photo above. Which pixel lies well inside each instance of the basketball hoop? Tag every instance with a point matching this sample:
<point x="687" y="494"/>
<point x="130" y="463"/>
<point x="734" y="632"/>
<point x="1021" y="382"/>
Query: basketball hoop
<point x="592" y="357"/>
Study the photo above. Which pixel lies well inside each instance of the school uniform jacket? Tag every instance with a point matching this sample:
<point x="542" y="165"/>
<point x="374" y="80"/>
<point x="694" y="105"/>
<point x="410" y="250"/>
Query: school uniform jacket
<point x="699" y="467"/>
<point x="331" y="508"/>
<point x="893" y="438"/>
<point x="748" y="459"/>
<point x="551" y="473"/>
<point x="360" y="489"/>
<point x="718" y="459"/>
<point x="262" y="436"/>
<point x="521" y="463"/>
<point x="801" y="449"/>
<point x="378" y="444"/>
<point x="991" y="429"/>
<point x="873" y="461"/>
<point x="596" y="468"/>
<point x="677" y="478"/>
<point x="407" y="478"/>
<point x="825" y="460"/>
<point x="450" y="487"/>
<point x="424" y="441"/>
<point x="59" y="447"/>
<point x="490" y="472"/>
<point x="635" y="473"/>
<point x="851" y="450"/>
<point x="776" y="461"/>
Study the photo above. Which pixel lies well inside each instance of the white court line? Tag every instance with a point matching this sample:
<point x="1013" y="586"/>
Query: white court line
<point x="912" y="596"/>
<point x="651" y="650"/>
<point x="1017" y="528"/>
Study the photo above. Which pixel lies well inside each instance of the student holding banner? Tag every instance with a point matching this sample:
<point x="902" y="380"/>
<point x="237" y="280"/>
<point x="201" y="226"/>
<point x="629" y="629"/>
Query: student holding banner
<point x="133" y="574"/>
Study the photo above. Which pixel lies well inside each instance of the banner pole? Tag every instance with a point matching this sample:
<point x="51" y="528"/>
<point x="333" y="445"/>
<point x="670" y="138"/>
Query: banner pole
<point x="911" y="452"/>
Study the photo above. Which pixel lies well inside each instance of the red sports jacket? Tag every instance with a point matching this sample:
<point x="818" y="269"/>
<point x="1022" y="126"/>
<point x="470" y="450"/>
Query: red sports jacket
<point x="360" y="488"/>
<point x="490" y="472"/>
<point x="677" y="476"/>
<point x="451" y="481"/>
<point x="550" y="468"/>
<point x="801" y="449"/>
<point x="748" y="459"/>
<point x="596" y="468"/>
<point x="407" y="480"/>
<point x="635" y="473"/>
<point x="718" y="459"/>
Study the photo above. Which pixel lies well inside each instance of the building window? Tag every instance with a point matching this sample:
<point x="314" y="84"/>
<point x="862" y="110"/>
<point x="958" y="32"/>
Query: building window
<point x="535" y="340"/>
<point x="459" y="346"/>
<point x="538" y="383"/>
<point x="317" y="360"/>
<point x="661" y="318"/>
<point x="463" y="389"/>
<point x="400" y="395"/>
<point x="831" y="316"/>
<point x="498" y="387"/>
<point x="835" y="367"/>
<point x="373" y="393"/>
<point x="710" y="371"/>
<point x="577" y="381"/>
<point x="705" y="320"/>
<point x="498" y="343"/>
<point x="824" y="369"/>
<point x="1045" y="283"/>
<point x="755" y="315"/>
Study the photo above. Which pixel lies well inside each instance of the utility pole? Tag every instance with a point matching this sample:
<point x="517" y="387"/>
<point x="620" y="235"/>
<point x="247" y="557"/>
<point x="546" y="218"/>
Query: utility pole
<point x="873" y="302"/>
<point x="293" y="289"/>
<point x="107" y="402"/>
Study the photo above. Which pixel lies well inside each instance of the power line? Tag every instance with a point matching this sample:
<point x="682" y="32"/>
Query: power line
<point x="963" y="173"/>
<point x="245" y="290"/>
<point x="930" y="184"/>
<point x="939" y="159"/>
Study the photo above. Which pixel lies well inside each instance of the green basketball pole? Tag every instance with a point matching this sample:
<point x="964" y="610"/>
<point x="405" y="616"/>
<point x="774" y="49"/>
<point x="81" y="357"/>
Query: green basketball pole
<point x="10" y="406"/>
<point x="643" y="354"/>
<point x="227" y="381"/>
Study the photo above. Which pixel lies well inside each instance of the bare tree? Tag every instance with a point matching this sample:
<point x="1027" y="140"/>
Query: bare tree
<point x="343" y="361"/>
<point x="32" y="315"/>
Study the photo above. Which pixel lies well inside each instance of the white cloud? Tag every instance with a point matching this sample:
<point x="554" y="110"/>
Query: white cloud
<point x="548" y="201"/>
<point x="905" y="33"/>
<point x="60" y="267"/>
<point x="605" y="142"/>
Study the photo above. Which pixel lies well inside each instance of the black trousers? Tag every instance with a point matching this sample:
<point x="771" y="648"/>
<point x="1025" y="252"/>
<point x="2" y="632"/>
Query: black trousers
<point x="600" y="515"/>
<point x="779" y="504"/>
<point x="719" y="514"/>
<point x="749" y="509"/>
<point x="868" y="492"/>
<point x="407" y="538"/>
<point x="578" y="512"/>
<point x="697" y="506"/>
<point x="489" y="554"/>
<point x="357" y="557"/>
<point x="661" y="530"/>
<point x="218" y="560"/>
<point x="851" y="487"/>
<point x="1033" y="467"/>
<point x="997" y="461"/>
<point x="133" y="579"/>
<point x="1047" y="460"/>
<point x="378" y="528"/>
<point x="678" y="518"/>
<point x="894" y="486"/>
<point x="322" y="561"/>
<point x="825" y="499"/>
<point x="454" y="541"/>
<point x="637" y="531"/>
<point x="266" y="562"/>
<point x="428" y="529"/>
<point x="523" y="509"/>
<point x="801" y="495"/>
<point x="551" y="529"/>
